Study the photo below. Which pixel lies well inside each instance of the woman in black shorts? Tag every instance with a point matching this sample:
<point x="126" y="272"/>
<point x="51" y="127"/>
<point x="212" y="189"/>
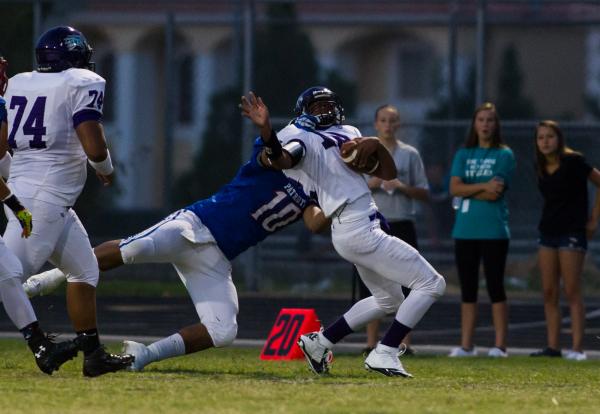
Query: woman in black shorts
<point x="564" y="229"/>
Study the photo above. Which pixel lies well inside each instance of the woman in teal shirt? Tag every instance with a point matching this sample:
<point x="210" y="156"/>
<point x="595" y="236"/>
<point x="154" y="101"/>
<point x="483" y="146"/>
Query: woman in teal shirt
<point x="481" y="173"/>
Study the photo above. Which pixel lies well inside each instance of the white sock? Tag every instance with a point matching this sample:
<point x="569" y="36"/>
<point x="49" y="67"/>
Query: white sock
<point x="16" y="304"/>
<point x="168" y="347"/>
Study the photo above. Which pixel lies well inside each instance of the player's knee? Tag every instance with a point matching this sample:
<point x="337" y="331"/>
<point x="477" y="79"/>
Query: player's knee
<point x="10" y="267"/>
<point x="388" y="305"/>
<point x="136" y="248"/>
<point x="222" y="334"/>
<point x="89" y="276"/>
<point x="438" y="286"/>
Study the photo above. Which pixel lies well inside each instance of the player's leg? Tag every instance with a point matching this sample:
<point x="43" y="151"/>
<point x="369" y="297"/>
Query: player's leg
<point x="494" y="253"/>
<point x="206" y="274"/>
<point x="49" y="355"/>
<point x="397" y="264"/>
<point x="108" y="255"/>
<point x="73" y="254"/>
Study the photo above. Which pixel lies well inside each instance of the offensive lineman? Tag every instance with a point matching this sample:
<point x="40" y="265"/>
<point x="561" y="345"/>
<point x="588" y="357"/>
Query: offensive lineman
<point x="385" y="263"/>
<point x="54" y="115"/>
<point x="49" y="356"/>
<point x="199" y="241"/>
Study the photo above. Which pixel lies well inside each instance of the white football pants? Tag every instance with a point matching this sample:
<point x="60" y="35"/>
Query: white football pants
<point x="57" y="237"/>
<point x="15" y="301"/>
<point x="385" y="264"/>
<point x="182" y="240"/>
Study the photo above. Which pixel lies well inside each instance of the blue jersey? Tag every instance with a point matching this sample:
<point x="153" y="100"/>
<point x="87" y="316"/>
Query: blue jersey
<point x="2" y="110"/>
<point x="255" y="204"/>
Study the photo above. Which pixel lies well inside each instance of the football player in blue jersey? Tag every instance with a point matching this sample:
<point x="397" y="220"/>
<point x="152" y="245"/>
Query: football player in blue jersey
<point x="200" y="240"/>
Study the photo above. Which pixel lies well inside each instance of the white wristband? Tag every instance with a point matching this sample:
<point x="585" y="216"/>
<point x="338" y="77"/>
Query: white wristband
<point x="103" y="167"/>
<point x="5" y="164"/>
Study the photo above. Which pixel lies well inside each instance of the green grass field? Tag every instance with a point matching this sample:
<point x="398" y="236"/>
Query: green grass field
<point x="235" y="380"/>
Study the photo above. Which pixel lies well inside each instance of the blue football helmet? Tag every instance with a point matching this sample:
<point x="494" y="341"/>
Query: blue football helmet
<point x="332" y="114"/>
<point x="62" y="48"/>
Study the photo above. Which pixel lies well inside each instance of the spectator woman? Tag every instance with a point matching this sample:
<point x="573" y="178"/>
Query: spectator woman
<point x="564" y="230"/>
<point x="480" y="175"/>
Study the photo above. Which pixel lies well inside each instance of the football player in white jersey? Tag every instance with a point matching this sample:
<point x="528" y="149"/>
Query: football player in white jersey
<point x="54" y="116"/>
<point x="385" y="263"/>
<point x="48" y="354"/>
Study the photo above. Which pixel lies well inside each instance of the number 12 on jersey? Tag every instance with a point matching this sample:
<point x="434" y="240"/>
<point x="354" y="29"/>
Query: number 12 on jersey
<point x="34" y="123"/>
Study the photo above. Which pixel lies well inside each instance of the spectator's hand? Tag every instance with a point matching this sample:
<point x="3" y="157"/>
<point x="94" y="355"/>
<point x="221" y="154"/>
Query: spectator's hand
<point x="590" y="228"/>
<point x="494" y="186"/>
<point x="392" y="185"/>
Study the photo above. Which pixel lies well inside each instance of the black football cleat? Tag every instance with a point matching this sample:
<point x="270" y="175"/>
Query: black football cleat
<point x="101" y="362"/>
<point x="50" y="355"/>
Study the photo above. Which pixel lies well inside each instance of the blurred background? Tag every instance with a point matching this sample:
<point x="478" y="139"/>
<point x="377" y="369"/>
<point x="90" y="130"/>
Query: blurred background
<point x="175" y="71"/>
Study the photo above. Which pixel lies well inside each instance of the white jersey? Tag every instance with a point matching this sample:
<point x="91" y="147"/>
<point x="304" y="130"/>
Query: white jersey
<point x="44" y="109"/>
<point x="322" y="167"/>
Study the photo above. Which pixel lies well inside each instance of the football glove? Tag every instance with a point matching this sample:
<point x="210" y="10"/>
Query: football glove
<point x="24" y="217"/>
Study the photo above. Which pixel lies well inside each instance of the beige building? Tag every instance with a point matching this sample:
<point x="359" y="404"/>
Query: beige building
<point x="395" y="52"/>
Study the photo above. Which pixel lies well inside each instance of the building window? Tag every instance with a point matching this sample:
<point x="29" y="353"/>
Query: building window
<point x="416" y="72"/>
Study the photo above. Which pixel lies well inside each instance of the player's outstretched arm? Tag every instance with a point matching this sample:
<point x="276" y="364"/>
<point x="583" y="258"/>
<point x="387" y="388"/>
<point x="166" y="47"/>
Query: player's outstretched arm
<point x="315" y="219"/>
<point x="273" y="155"/>
<point x="91" y="136"/>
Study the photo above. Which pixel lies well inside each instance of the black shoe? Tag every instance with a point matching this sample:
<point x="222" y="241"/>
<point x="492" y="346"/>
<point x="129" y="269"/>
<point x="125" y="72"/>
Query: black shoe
<point x="546" y="352"/>
<point x="50" y="355"/>
<point x="101" y="362"/>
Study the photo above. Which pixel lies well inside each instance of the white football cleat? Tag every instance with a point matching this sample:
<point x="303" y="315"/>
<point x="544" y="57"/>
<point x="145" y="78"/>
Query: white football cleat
<point x="574" y="355"/>
<point x="140" y="352"/>
<point x="496" y="352"/>
<point x="386" y="362"/>
<point x="460" y="352"/>
<point x="44" y="283"/>
<point x="317" y="355"/>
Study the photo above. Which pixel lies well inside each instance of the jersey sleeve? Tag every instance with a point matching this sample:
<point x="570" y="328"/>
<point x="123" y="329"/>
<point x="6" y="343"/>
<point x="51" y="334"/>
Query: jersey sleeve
<point x="458" y="165"/>
<point x="581" y="167"/>
<point x="88" y="100"/>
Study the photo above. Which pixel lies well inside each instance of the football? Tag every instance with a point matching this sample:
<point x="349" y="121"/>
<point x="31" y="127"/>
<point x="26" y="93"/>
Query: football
<point x="349" y="153"/>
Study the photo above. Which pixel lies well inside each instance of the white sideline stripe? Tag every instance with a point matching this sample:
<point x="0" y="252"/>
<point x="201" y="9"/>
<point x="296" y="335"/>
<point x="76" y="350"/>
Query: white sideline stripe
<point x="346" y="347"/>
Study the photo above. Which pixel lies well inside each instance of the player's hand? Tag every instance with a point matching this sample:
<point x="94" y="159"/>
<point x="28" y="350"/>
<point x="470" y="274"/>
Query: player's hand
<point x="106" y="180"/>
<point x="25" y="220"/>
<point x="254" y="109"/>
<point x="365" y="147"/>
